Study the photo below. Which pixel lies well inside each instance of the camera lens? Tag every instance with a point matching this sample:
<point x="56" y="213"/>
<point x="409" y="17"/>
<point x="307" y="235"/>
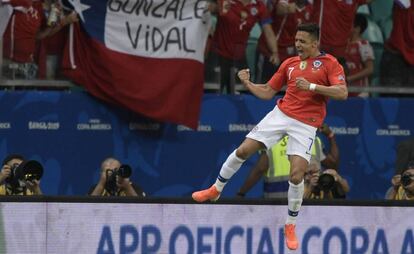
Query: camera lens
<point x="124" y="171"/>
<point x="326" y="182"/>
<point x="406" y="180"/>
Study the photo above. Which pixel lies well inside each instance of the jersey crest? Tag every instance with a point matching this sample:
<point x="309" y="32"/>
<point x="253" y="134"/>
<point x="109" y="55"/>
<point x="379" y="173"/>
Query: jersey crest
<point x="317" y="63"/>
<point x="303" y="65"/>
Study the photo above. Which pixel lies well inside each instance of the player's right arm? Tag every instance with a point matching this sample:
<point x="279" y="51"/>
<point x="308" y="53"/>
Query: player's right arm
<point x="271" y="88"/>
<point x="262" y="91"/>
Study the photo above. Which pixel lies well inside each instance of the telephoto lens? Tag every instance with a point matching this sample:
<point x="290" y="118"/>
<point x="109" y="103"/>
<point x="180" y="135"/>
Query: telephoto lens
<point x="406" y="180"/>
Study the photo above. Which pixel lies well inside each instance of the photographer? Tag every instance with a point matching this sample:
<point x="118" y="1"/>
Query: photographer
<point x="18" y="178"/>
<point x="326" y="185"/>
<point x="114" y="181"/>
<point x="402" y="184"/>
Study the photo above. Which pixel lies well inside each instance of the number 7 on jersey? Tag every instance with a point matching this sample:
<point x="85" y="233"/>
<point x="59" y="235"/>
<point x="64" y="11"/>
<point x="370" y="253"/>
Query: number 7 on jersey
<point x="290" y="69"/>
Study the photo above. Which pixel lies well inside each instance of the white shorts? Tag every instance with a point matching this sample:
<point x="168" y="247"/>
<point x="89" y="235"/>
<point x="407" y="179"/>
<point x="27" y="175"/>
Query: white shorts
<point x="275" y="125"/>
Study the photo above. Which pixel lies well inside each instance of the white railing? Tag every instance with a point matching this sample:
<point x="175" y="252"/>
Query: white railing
<point x="66" y="84"/>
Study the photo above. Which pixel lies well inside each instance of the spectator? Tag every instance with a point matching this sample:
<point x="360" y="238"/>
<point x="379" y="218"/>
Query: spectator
<point x="235" y="21"/>
<point x="6" y="10"/>
<point x="335" y="18"/>
<point x="398" y="50"/>
<point x="51" y="48"/>
<point x="274" y="165"/>
<point x="10" y="184"/>
<point x="402" y="185"/>
<point x="359" y="57"/>
<point x="26" y="27"/>
<point x="120" y="185"/>
<point x="286" y="15"/>
<point x="328" y="185"/>
<point x="405" y="154"/>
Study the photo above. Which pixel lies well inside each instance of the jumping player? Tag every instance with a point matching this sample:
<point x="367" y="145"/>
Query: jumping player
<point x="311" y="77"/>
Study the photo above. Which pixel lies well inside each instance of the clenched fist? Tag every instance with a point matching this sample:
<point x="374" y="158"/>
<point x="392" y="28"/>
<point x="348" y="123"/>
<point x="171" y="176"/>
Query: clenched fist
<point x="302" y="83"/>
<point x="244" y="75"/>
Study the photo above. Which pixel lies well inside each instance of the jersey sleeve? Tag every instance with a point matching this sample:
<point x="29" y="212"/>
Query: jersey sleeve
<point x="264" y="16"/>
<point x="279" y="78"/>
<point x="336" y="75"/>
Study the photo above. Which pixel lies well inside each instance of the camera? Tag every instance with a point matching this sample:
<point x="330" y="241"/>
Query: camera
<point x="123" y="171"/>
<point x="326" y="182"/>
<point x="25" y="171"/>
<point x="406" y="180"/>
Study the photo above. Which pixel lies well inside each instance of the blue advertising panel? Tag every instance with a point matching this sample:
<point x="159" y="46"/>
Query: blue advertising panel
<point x="70" y="133"/>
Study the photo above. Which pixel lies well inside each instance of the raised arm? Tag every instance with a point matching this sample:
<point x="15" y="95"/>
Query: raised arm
<point x="49" y="31"/>
<point x="262" y="91"/>
<point x="271" y="43"/>
<point x="283" y="8"/>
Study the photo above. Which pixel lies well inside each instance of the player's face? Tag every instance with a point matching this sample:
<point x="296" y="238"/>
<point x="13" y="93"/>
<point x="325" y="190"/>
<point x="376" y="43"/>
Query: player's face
<point x="306" y="45"/>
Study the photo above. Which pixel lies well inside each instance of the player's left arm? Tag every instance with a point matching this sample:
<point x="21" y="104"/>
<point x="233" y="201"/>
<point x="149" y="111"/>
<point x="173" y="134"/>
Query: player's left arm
<point x="336" y="77"/>
<point x="337" y="92"/>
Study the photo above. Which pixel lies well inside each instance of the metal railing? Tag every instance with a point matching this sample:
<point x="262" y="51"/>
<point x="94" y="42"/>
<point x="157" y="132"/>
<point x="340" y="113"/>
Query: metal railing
<point x="36" y="83"/>
<point x="66" y="84"/>
<point x="370" y="90"/>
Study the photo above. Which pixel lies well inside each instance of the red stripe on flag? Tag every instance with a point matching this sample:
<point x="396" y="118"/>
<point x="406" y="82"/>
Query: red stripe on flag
<point x="167" y="90"/>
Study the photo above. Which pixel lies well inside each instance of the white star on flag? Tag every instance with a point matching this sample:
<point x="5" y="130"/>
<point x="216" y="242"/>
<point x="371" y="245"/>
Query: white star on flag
<point x="79" y="8"/>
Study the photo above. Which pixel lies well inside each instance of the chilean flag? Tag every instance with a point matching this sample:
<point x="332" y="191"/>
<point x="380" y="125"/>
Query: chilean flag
<point x="145" y="55"/>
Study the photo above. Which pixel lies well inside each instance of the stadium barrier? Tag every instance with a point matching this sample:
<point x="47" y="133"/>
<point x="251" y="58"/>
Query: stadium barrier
<point x="167" y="226"/>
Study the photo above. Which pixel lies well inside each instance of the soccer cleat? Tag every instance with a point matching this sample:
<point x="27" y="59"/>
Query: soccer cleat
<point x="290" y="237"/>
<point x="211" y="194"/>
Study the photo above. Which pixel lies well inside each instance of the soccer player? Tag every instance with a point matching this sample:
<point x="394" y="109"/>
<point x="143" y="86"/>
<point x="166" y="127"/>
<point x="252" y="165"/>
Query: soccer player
<point x="311" y="77"/>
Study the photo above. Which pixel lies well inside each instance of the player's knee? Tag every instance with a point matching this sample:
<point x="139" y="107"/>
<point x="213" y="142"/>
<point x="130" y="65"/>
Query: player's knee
<point x="296" y="175"/>
<point x="242" y="153"/>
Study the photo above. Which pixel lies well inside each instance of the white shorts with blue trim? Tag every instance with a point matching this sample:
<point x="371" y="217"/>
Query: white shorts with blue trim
<point x="275" y="125"/>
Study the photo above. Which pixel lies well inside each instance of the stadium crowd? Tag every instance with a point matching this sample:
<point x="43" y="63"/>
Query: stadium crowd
<point x="366" y="36"/>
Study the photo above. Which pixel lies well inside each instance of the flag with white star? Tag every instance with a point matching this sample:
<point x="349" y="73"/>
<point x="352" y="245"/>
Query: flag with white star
<point x="143" y="55"/>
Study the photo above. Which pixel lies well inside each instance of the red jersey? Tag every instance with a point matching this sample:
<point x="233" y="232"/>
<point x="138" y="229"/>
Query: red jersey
<point x="356" y="54"/>
<point x="19" y="40"/>
<point x="284" y="27"/>
<point x="335" y="19"/>
<point x="51" y="45"/>
<point x="307" y="106"/>
<point x="233" y="28"/>
<point x="402" y="35"/>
